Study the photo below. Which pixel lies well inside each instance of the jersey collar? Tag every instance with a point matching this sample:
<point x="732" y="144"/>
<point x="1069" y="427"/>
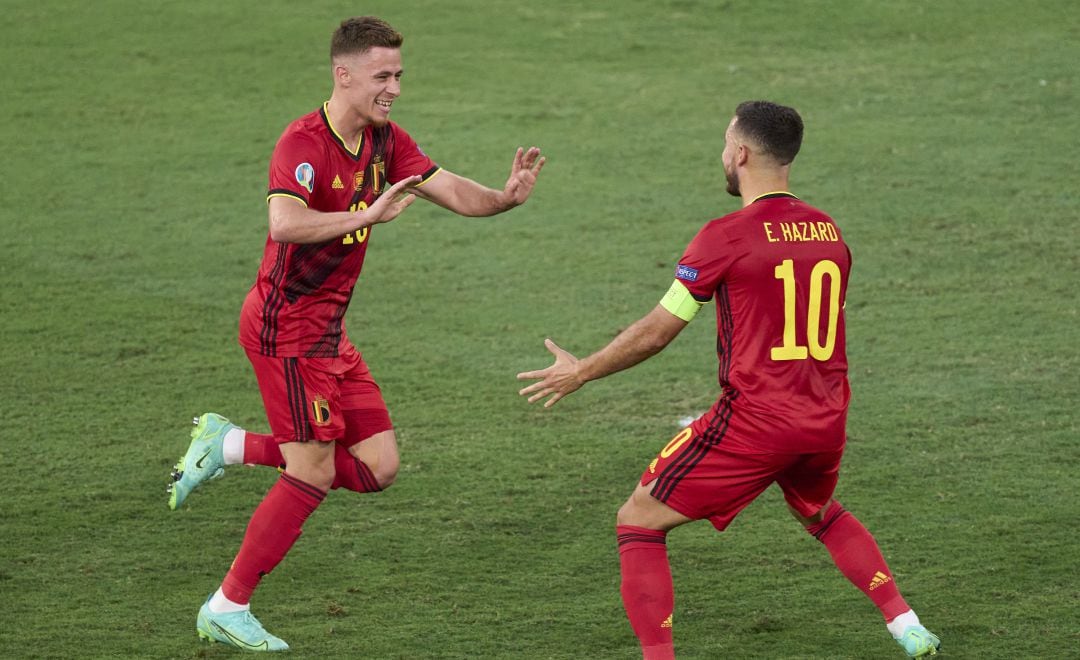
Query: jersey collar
<point x="337" y="136"/>
<point x="773" y="195"/>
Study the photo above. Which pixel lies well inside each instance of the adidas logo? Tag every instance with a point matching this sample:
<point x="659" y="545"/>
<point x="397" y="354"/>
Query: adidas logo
<point x="667" y="622"/>
<point x="337" y="184"/>
<point x="880" y="579"/>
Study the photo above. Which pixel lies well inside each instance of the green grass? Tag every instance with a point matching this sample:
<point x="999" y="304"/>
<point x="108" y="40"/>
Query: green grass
<point x="941" y="136"/>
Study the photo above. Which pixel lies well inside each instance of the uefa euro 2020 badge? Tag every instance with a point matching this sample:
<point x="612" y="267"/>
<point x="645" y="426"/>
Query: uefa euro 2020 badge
<point x="305" y="176"/>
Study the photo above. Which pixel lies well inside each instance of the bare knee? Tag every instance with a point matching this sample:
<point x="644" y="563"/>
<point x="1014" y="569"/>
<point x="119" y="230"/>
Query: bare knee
<point x="385" y="471"/>
<point x="633" y="510"/>
<point x="312" y="463"/>
<point x="641" y="509"/>
<point x="625" y="514"/>
<point x="319" y="476"/>
<point x="380" y="454"/>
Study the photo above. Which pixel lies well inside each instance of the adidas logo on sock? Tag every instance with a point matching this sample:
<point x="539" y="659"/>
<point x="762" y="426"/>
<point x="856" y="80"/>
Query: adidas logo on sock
<point x="667" y="622"/>
<point x="879" y="580"/>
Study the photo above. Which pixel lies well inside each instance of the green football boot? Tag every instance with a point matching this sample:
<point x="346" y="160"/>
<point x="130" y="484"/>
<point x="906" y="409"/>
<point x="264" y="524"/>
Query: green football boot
<point x="204" y="459"/>
<point x="239" y="629"/>
<point x="918" y="642"/>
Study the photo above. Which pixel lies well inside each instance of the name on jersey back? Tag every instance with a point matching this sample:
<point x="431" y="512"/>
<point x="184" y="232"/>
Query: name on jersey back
<point x="798" y="232"/>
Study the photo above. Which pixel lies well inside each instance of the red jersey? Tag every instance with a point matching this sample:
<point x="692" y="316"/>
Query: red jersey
<point x="296" y="307"/>
<point x="778" y="270"/>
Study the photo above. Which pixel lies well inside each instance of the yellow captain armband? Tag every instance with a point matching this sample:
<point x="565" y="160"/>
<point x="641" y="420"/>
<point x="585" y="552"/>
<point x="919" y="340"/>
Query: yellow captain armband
<point x="679" y="301"/>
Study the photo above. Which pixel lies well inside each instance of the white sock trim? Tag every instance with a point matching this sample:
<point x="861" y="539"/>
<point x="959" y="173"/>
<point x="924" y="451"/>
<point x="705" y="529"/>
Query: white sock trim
<point x="232" y="447"/>
<point x="219" y="604"/>
<point x="898" y="625"/>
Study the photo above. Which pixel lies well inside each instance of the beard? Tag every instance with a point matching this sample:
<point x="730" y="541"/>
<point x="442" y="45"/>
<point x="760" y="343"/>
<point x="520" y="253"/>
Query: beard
<point x="378" y="121"/>
<point x="732" y="183"/>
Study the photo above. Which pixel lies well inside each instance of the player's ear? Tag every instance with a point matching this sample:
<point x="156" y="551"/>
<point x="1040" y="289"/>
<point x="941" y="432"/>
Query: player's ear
<point x="742" y="154"/>
<point x="341" y="74"/>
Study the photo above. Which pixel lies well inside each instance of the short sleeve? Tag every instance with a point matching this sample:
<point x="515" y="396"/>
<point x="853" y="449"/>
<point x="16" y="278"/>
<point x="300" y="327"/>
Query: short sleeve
<point x="407" y="159"/>
<point x="295" y="166"/>
<point x="705" y="262"/>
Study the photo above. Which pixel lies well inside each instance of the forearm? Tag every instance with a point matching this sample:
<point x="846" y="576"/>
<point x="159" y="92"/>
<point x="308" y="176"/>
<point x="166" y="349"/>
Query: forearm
<point x="643" y="339"/>
<point x="483" y="202"/>
<point x="302" y="225"/>
<point x="463" y="196"/>
<point x="632" y="346"/>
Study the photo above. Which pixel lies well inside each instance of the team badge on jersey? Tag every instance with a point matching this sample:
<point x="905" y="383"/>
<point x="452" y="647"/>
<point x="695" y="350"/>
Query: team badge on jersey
<point x="358" y="180"/>
<point x="321" y="408"/>
<point x="378" y="174"/>
<point x="305" y="176"/>
<point x="686" y="273"/>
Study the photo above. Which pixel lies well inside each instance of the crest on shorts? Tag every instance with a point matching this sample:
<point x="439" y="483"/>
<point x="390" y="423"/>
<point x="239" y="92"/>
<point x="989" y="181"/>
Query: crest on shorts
<point x="321" y="408"/>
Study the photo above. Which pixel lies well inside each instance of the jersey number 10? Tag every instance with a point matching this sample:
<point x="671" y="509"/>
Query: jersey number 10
<point x="790" y="349"/>
<point x="360" y="234"/>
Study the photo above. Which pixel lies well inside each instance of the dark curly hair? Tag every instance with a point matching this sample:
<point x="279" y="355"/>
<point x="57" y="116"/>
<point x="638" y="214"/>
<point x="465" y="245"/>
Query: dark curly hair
<point x="777" y="129"/>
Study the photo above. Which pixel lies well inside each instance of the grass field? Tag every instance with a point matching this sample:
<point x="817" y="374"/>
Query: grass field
<point x="941" y="136"/>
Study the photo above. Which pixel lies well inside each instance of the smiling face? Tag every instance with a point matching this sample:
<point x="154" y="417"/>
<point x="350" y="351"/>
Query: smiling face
<point x="369" y="82"/>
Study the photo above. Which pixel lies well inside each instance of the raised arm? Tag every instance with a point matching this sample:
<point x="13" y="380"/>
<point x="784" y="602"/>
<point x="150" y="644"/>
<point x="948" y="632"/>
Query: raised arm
<point x="467" y="197"/>
<point x="292" y="222"/>
<point x="645" y="338"/>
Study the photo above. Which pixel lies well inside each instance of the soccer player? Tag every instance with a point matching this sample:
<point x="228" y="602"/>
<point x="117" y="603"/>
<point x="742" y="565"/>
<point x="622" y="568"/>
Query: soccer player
<point x="334" y="174"/>
<point x="778" y="270"/>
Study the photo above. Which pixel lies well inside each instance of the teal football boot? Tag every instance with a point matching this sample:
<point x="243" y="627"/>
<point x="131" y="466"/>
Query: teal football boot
<point x="918" y="642"/>
<point x="239" y="629"/>
<point x="204" y="459"/>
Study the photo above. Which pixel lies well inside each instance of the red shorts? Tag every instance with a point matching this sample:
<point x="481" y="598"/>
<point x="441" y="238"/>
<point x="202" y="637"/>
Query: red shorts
<point x="713" y="479"/>
<point x="324" y="399"/>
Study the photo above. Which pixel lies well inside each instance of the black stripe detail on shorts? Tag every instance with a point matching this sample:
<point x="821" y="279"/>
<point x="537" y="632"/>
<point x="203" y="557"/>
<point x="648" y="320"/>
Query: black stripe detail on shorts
<point x="298" y="405"/>
<point x="290" y="394"/>
<point x="699" y="446"/>
<point x="719" y="425"/>
<point x="675" y="472"/>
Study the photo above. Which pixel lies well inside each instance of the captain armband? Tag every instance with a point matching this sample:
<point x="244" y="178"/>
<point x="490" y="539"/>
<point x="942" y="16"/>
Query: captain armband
<point x="680" y="302"/>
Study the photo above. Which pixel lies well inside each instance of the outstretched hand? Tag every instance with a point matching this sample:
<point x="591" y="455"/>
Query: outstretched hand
<point x="558" y="380"/>
<point x="392" y="202"/>
<point x="523" y="173"/>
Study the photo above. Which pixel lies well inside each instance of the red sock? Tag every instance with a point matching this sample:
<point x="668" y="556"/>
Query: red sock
<point x="858" y="557"/>
<point x="350" y="473"/>
<point x="260" y="449"/>
<point x="647" y="592"/>
<point x="273" y="529"/>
